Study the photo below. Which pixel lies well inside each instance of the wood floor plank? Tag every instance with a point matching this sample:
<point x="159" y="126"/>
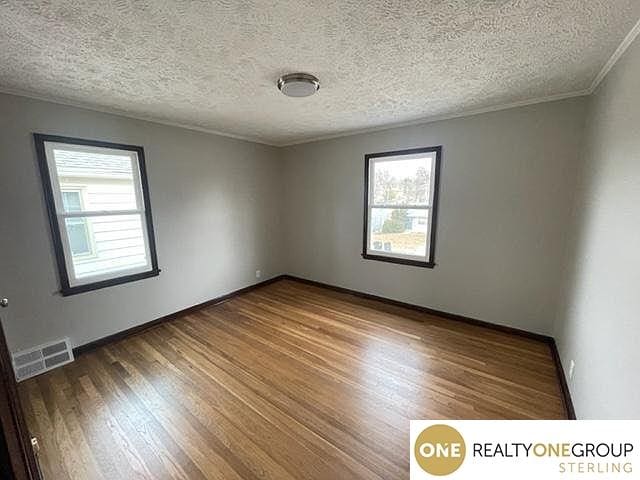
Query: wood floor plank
<point x="176" y="462"/>
<point x="249" y="432"/>
<point x="68" y="408"/>
<point x="303" y="412"/>
<point x="287" y="381"/>
<point x="169" y="411"/>
<point x="40" y="424"/>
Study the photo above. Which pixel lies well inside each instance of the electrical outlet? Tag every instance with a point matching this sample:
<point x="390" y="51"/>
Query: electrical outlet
<point x="258" y="273"/>
<point x="572" y="367"/>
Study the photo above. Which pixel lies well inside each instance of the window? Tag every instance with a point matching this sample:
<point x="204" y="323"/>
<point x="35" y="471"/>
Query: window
<point x="79" y="242"/>
<point x="401" y="200"/>
<point x="98" y="202"/>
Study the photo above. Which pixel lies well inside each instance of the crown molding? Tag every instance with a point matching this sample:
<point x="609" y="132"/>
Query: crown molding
<point x="439" y="118"/>
<point x="122" y="113"/>
<point x="389" y="126"/>
<point x="624" y="45"/>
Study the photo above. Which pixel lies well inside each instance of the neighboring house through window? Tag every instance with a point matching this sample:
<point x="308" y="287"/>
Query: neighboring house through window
<point x="401" y="200"/>
<point x="99" y="211"/>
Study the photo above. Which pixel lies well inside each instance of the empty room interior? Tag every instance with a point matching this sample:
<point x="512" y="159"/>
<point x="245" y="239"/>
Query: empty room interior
<point x="255" y="239"/>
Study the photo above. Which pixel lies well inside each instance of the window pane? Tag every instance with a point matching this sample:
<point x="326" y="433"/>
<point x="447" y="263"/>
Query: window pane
<point x="106" y="180"/>
<point x="402" y="182"/>
<point x="399" y="231"/>
<point x="115" y="243"/>
<point x="78" y="236"/>
<point x="71" y="201"/>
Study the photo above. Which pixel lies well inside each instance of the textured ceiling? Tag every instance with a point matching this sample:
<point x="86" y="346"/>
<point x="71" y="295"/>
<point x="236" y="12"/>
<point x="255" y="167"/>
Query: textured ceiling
<point x="213" y="64"/>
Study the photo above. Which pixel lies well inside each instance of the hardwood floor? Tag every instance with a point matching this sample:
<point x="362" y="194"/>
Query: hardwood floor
<point x="289" y="381"/>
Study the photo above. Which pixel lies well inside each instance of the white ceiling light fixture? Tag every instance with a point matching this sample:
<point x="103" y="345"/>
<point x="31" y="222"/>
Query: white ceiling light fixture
<point x="298" y="84"/>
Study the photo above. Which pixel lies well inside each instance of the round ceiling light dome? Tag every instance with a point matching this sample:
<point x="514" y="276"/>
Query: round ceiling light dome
<point x="298" y="84"/>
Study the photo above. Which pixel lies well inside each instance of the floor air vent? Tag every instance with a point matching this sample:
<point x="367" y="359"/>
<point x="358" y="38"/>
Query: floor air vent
<point x="34" y="361"/>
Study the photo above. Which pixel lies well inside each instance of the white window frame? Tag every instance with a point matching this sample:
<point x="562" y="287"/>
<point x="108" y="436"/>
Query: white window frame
<point x="70" y="282"/>
<point x="430" y="207"/>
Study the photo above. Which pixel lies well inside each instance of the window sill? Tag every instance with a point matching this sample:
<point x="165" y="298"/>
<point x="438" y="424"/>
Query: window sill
<point x="68" y="291"/>
<point x="401" y="261"/>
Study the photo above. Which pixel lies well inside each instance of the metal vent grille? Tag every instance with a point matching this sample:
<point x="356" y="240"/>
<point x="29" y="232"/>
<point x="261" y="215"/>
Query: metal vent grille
<point x="30" y="370"/>
<point x="30" y="357"/>
<point x="53" y="349"/>
<point x="42" y="358"/>
<point x="56" y="360"/>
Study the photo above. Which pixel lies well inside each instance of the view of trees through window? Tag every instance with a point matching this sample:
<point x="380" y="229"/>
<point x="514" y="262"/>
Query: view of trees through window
<point x="401" y="182"/>
<point x="399" y="212"/>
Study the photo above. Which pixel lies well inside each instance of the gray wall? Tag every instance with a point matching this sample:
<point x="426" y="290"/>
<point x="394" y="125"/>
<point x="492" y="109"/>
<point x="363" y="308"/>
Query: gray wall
<point x="599" y="326"/>
<point x="215" y="204"/>
<point x="506" y="183"/>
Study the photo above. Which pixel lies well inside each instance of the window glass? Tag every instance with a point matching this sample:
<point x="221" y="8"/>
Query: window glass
<point x="108" y="179"/>
<point x="402" y="182"/>
<point x="399" y="231"/>
<point x="78" y="236"/>
<point x="71" y="201"/>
